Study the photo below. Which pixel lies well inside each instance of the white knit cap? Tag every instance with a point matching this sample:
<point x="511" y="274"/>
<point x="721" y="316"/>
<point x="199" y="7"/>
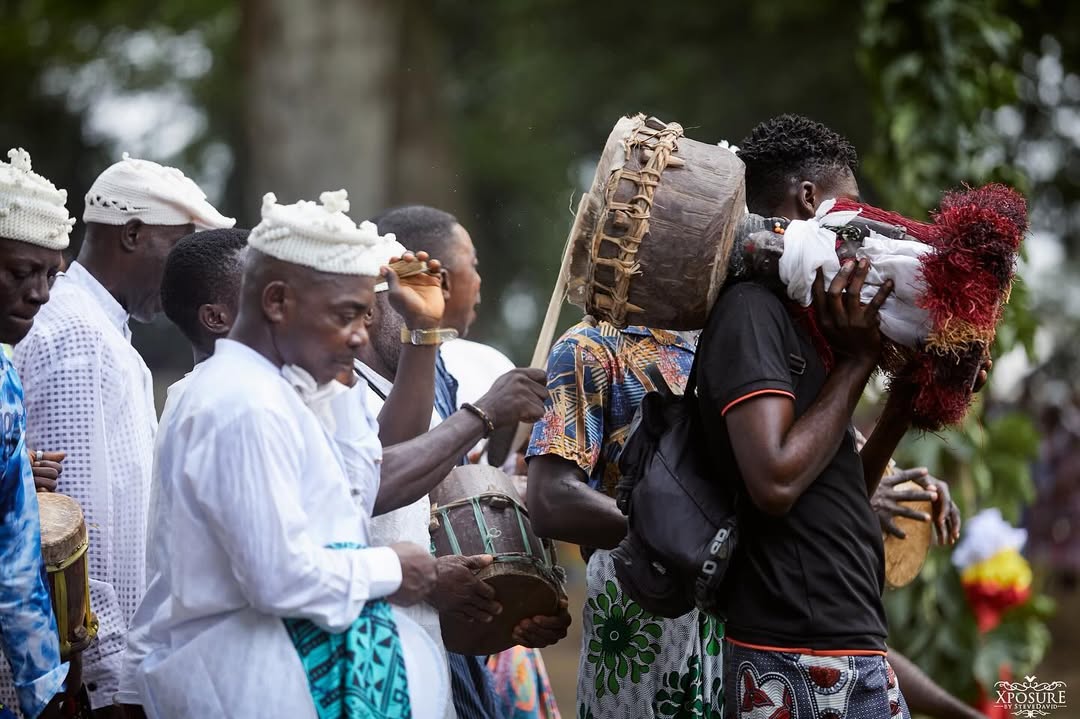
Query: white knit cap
<point x="31" y="208"/>
<point x="157" y="195"/>
<point x="322" y="236"/>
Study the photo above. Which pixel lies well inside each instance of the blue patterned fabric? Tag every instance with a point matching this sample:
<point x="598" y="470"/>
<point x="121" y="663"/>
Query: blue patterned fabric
<point x="360" y="673"/>
<point x="445" y="389"/>
<point x="596" y="379"/>
<point x="27" y="626"/>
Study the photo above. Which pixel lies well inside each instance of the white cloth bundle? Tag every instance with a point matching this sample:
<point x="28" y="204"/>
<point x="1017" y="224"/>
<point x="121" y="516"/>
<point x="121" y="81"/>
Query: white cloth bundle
<point x="811" y="244"/>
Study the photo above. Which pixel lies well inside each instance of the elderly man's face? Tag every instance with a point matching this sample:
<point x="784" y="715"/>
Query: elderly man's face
<point x="26" y="273"/>
<point x="324" y="323"/>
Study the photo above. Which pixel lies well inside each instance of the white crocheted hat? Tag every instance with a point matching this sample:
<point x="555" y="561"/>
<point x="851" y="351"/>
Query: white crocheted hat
<point x="157" y="195"/>
<point x="322" y="236"/>
<point x="31" y="208"/>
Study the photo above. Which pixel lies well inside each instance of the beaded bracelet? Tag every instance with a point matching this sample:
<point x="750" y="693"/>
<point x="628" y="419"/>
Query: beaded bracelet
<point x="489" y="426"/>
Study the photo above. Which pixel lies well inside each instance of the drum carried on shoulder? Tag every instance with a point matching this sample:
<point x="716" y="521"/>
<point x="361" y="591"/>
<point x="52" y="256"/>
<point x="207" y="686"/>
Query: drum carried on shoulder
<point x="477" y="510"/>
<point x="653" y="237"/>
<point x="64" y="542"/>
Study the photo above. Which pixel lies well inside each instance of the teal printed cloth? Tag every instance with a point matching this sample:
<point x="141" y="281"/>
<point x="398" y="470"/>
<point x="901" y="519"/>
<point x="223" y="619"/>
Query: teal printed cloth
<point x="360" y="673"/>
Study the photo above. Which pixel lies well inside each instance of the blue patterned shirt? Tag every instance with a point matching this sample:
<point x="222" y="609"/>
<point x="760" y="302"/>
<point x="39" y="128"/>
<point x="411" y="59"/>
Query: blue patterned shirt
<point x="27" y="626"/>
<point x="596" y="379"/>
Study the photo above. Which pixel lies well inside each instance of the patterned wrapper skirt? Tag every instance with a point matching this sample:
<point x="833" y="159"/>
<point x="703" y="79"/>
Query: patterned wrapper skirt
<point x="635" y="665"/>
<point x="782" y="685"/>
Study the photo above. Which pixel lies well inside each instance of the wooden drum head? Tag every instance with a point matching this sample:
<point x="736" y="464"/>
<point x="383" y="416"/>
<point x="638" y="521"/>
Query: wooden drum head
<point x="904" y="557"/>
<point x="63" y="529"/>
<point x="523" y="590"/>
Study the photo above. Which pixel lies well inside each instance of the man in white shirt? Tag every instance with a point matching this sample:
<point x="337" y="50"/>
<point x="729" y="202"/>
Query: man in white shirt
<point x="439" y="234"/>
<point x="90" y="394"/>
<point x="200" y="294"/>
<point x="269" y="471"/>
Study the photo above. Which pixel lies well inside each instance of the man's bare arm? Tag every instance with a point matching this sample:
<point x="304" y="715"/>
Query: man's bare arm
<point x="562" y="506"/>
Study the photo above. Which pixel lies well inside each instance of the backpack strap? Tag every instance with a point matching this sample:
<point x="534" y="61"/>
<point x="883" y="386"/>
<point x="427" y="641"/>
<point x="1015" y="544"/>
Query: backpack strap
<point x="652" y="371"/>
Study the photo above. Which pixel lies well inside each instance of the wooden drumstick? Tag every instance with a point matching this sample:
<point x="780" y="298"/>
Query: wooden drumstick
<point x="408" y="268"/>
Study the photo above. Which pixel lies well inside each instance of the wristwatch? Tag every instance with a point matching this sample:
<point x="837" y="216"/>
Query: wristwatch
<point x="427" y="337"/>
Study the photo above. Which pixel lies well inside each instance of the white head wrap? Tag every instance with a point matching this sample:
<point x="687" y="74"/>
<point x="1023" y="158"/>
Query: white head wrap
<point x="157" y="195"/>
<point x="31" y="208"/>
<point x="322" y="236"/>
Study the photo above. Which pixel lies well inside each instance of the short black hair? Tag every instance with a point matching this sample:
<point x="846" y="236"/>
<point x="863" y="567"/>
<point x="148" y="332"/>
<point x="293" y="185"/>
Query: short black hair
<point x="420" y="228"/>
<point x="790" y="148"/>
<point x="203" y="268"/>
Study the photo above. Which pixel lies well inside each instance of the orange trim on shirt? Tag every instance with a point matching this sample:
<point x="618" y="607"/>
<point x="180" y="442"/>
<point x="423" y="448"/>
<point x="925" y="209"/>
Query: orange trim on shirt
<point x="812" y="652"/>
<point x="745" y="397"/>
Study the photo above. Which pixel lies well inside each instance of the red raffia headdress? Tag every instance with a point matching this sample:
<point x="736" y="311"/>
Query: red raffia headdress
<point x="976" y="236"/>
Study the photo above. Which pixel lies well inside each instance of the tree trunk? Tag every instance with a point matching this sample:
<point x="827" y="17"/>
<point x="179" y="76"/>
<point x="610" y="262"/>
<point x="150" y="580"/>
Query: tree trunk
<point x="342" y="94"/>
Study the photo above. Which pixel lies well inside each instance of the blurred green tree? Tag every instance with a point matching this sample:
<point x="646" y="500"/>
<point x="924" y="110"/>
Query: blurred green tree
<point x="938" y="70"/>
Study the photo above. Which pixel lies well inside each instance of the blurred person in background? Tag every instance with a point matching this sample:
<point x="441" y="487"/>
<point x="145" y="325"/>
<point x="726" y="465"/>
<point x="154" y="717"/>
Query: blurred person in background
<point x="90" y="394"/>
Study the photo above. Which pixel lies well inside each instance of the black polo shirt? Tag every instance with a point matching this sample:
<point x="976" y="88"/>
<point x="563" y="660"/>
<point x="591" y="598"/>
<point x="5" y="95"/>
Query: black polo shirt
<point x="813" y="578"/>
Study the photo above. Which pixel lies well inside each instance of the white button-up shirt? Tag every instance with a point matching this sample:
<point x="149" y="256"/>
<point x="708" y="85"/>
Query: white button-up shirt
<point x="89" y="393"/>
<point x="252" y="490"/>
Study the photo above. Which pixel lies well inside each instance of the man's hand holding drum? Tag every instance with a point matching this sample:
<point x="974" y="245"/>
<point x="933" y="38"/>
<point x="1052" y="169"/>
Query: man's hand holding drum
<point x="459" y="594"/>
<point x="889" y="503"/>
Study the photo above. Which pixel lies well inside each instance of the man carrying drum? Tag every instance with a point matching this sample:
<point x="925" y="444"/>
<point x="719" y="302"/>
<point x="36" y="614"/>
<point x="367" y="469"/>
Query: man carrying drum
<point x="632" y="663"/>
<point x="34" y="228"/>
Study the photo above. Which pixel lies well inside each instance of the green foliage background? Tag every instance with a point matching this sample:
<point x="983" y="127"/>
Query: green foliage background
<point x="939" y="69"/>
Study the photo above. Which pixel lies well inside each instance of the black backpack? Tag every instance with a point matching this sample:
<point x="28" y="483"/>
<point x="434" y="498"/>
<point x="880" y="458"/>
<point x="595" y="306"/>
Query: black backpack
<point x="682" y="510"/>
<point x="682" y="529"/>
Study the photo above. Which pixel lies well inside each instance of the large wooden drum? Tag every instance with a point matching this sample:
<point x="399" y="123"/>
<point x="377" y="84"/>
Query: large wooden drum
<point x="477" y="510"/>
<point x="651" y="240"/>
<point x="63" y="545"/>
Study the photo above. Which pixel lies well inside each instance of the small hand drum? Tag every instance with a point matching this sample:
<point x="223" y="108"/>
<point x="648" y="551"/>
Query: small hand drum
<point x="477" y="510"/>
<point x="904" y="557"/>
<point x="63" y="545"/>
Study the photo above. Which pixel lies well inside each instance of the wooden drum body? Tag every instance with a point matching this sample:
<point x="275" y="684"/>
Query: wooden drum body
<point x="904" y="558"/>
<point x="476" y="510"/>
<point x="63" y="545"/>
<point x="651" y="240"/>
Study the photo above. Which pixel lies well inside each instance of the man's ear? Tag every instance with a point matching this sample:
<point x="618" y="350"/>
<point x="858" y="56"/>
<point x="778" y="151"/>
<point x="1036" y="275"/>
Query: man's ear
<point x="129" y="234"/>
<point x="276" y="298"/>
<point x="216" y="319"/>
<point x="446" y="284"/>
<point x="806" y="199"/>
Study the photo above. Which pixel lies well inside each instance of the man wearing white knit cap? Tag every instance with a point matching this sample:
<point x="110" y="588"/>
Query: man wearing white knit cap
<point x="90" y="394"/>
<point x="34" y="227"/>
<point x="268" y="474"/>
